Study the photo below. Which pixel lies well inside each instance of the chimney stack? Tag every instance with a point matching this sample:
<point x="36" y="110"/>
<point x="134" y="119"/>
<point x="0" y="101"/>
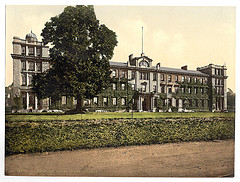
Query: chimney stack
<point x="130" y="57"/>
<point x="184" y="67"/>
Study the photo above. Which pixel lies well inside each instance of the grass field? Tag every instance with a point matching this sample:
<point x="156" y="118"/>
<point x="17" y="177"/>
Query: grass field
<point x="111" y="115"/>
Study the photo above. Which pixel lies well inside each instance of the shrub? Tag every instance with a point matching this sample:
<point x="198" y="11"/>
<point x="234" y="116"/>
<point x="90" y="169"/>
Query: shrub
<point x="41" y="136"/>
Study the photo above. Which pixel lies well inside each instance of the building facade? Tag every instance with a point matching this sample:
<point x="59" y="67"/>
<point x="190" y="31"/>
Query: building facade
<point x="29" y="57"/>
<point x="170" y="89"/>
<point x="137" y="84"/>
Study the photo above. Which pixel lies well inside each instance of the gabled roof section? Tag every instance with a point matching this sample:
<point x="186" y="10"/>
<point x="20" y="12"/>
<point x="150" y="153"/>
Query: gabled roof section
<point x="144" y="57"/>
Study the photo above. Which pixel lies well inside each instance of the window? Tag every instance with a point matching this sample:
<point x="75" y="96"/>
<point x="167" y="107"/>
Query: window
<point x="220" y="82"/>
<point x="154" y="88"/>
<point x="38" y="51"/>
<point x="30" y="78"/>
<point x="190" y="102"/>
<point x="114" y="101"/>
<point x="39" y="66"/>
<point x="201" y="80"/>
<point x="222" y="72"/>
<point x="196" y="103"/>
<point x="177" y="103"/>
<point x="23" y="65"/>
<point x="176" y="78"/>
<point x="64" y="100"/>
<point x="183" y="90"/>
<point x="169" y="78"/>
<point x="189" y="90"/>
<point x="95" y="100"/>
<point x="169" y="102"/>
<point x="154" y="76"/>
<point x="114" y="74"/>
<point x="133" y="75"/>
<point x="202" y="90"/>
<point x="183" y="79"/>
<point x="24" y="80"/>
<point x="170" y="90"/>
<point x="195" y="90"/>
<point x="143" y="76"/>
<point x="189" y="79"/>
<point x="105" y="101"/>
<point x="195" y="80"/>
<point x="114" y="86"/>
<point x="176" y="89"/>
<point x="123" y="86"/>
<point x="202" y="103"/>
<point x="162" y="89"/>
<point x="31" y="66"/>
<point x="123" y="74"/>
<point x="23" y="51"/>
<point x="162" y="77"/>
<point x="123" y="101"/>
<point x="31" y="51"/>
<point x="163" y="102"/>
<point x="133" y="87"/>
<point x="143" y="87"/>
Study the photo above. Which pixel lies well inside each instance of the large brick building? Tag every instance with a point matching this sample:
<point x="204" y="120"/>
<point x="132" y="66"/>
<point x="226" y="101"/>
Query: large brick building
<point x="137" y="84"/>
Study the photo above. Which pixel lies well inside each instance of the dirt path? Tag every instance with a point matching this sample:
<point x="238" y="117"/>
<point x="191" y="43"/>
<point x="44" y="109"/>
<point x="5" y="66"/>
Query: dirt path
<point x="205" y="159"/>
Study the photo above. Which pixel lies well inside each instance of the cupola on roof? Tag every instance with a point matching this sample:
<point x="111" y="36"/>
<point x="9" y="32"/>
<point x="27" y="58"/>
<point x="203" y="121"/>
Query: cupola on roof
<point x="31" y="36"/>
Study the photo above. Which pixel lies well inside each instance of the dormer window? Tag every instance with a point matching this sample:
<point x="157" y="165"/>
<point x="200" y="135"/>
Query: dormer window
<point x="143" y="63"/>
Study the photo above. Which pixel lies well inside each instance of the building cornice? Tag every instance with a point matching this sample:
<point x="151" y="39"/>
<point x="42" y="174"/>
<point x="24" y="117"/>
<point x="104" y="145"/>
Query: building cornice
<point x="17" y="56"/>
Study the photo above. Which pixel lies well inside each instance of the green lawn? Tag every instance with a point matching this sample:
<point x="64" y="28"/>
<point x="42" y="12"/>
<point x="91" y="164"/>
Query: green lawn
<point x="48" y="117"/>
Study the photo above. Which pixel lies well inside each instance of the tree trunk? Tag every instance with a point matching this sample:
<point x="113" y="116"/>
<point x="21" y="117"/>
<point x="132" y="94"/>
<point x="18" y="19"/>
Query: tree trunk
<point x="79" y="107"/>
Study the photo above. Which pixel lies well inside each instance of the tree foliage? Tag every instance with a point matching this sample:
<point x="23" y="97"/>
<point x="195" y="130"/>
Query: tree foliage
<point x="79" y="57"/>
<point x="230" y="98"/>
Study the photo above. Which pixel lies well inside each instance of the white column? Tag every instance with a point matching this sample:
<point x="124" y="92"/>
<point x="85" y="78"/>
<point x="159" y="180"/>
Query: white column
<point x="36" y="101"/>
<point x="27" y="97"/>
<point x="35" y="66"/>
<point x="140" y="104"/>
<point x="26" y="50"/>
<point x="35" y="51"/>
<point x="180" y="103"/>
<point x="27" y="79"/>
<point x="27" y="66"/>
<point x="152" y="104"/>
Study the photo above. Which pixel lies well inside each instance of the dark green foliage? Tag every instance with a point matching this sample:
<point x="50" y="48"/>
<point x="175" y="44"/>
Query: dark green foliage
<point x="79" y="57"/>
<point x="17" y="102"/>
<point x="41" y="136"/>
<point x="231" y="100"/>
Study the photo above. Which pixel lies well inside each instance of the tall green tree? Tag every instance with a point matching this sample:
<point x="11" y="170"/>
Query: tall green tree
<point x="79" y="57"/>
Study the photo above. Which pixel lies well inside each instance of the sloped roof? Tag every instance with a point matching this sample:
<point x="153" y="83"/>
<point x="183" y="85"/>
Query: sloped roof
<point x="181" y="71"/>
<point x="161" y="69"/>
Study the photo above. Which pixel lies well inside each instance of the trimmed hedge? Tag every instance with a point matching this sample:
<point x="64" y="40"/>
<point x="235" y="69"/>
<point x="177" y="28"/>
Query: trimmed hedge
<point x="42" y="136"/>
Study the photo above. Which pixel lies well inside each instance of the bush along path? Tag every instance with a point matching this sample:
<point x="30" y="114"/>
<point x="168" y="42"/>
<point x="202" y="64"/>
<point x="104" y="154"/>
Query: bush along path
<point x="42" y="136"/>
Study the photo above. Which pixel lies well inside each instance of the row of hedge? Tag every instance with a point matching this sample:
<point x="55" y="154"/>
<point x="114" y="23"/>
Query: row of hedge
<point x="29" y="137"/>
